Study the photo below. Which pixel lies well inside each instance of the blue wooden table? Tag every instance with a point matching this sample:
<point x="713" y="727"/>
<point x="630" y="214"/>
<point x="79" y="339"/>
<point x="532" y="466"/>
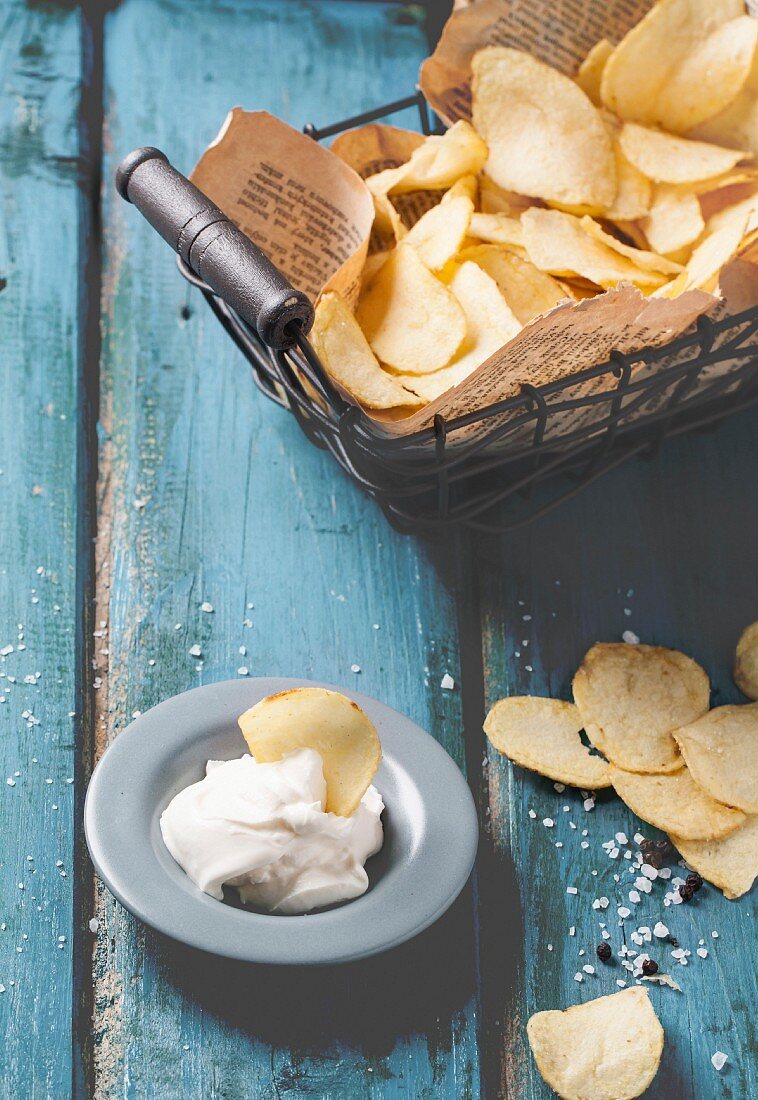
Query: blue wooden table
<point x="141" y="474"/>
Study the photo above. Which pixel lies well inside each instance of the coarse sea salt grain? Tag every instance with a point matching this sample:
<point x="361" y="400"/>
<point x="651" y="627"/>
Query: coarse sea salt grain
<point x="588" y="969"/>
<point x="532" y="814"/>
<point x="572" y="930"/>
<point x="719" y="1060"/>
<point x="94" y="924"/>
<point x="571" y="890"/>
<point x="578" y="977"/>
<point x="701" y="951"/>
<point x="447" y="683"/>
<point x="548" y="822"/>
<point x="206" y="607"/>
<point x="623" y="911"/>
<point x="589" y="804"/>
<point x="629" y="636"/>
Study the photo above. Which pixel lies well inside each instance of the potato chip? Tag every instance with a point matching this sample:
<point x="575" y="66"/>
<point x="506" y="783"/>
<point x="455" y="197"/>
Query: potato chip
<point x="721" y="751"/>
<point x="631" y="697"/>
<point x="344" y="351"/>
<point x="590" y="72"/>
<point x="496" y="229"/>
<point x="527" y="290"/>
<point x="704" y="265"/>
<point x="746" y="662"/>
<point x="436" y="165"/>
<point x="497" y="200"/>
<point x="387" y="221"/>
<point x="668" y="159"/>
<point x="543" y="735"/>
<point x="606" y="1049"/>
<point x="556" y="243"/>
<point x="737" y="125"/>
<point x="545" y="136"/>
<point x="489" y="325"/>
<point x="675" y="219"/>
<point x="675" y="803"/>
<point x="466" y="187"/>
<point x="730" y="863"/>
<point x="330" y="723"/>
<point x="411" y="320"/>
<point x="648" y="261"/>
<point x="438" y="234"/>
<point x="679" y="65"/>
<point x="633" y="190"/>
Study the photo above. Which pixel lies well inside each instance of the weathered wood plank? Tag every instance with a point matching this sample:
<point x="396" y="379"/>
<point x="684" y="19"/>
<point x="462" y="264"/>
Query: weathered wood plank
<point x="40" y="70"/>
<point x="210" y="494"/>
<point x="672" y="542"/>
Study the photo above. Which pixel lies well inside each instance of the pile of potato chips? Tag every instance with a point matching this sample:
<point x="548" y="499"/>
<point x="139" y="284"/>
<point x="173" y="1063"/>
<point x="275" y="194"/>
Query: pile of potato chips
<point x="688" y="770"/>
<point x="638" y="170"/>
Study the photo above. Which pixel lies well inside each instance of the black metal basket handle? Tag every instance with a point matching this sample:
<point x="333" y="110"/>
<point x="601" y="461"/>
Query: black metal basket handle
<point x="214" y="248"/>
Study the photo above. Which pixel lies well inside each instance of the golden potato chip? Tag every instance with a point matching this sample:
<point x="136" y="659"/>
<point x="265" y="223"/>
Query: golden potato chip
<point x="489" y="325"/>
<point x="648" y="261"/>
<point x="737" y="125"/>
<point x="466" y="186"/>
<point x="496" y="200"/>
<point x="543" y="735"/>
<point x="556" y="243"/>
<point x="633" y="190"/>
<point x="439" y="233"/>
<point x="721" y="751"/>
<point x="678" y="65"/>
<point x="411" y="320"/>
<point x="527" y="290"/>
<point x="387" y="221"/>
<point x="704" y="265"/>
<point x="730" y="863"/>
<point x="606" y="1049"/>
<point x="668" y="159"/>
<point x="496" y="229"/>
<point x="344" y="351"/>
<point x="675" y="219"/>
<point x="590" y="72"/>
<point x="675" y="803"/>
<point x="746" y="662"/>
<point x="330" y="723"/>
<point x="545" y="136"/>
<point x="436" y="165"/>
<point x="631" y="697"/>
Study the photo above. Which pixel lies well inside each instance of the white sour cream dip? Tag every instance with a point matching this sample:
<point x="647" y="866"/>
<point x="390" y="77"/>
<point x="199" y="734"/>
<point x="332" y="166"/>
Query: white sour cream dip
<point x="262" y="829"/>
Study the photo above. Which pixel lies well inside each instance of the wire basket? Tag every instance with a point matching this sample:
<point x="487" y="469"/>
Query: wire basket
<point x="480" y="470"/>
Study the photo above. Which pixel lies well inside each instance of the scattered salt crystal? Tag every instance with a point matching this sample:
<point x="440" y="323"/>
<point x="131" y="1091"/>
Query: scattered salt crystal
<point x="242" y="651"/>
<point x="10" y="782"/>
<point x="447" y="683"/>
<point x="588" y="969"/>
<point x="578" y="977"/>
<point x="605" y="934"/>
<point x="548" y="822"/>
<point x="206" y="607"/>
<point x="559" y="843"/>
<point x="701" y="951"/>
<point x="528" y="668"/>
<point x="715" y="935"/>
<point x="584" y="844"/>
<point x="243" y="670"/>
<point x="634" y="897"/>
<point x="614" y="853"/>
<point x="620" y="983"/>
<point x="572" y="930"/>
<point x="589" y="804"/>
<point x="648" y="871"/>
<point x="550" y="947"/>
<point x="623" y="911"/>
<point x="532" y="814"/>
<point x="643" y="884"/>
<point x="59" y="863"/>
<point x="559" y="787"/>
<point x="638" y="838"/>
<point x="664" y="873"/>
<point x="719" y="1060"/>
<point x="94" y="924"/>
<point x="571" y="890"/>
<point x="629" y="636"/>
<point x="660" y="930"/>
<point x="195" y="651"/>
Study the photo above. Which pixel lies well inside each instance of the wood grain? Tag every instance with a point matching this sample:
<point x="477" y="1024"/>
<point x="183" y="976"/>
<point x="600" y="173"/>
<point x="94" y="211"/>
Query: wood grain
<point x="210" y="494"/>
<point x="663" y="548"/>
<point x="40" y="65"/>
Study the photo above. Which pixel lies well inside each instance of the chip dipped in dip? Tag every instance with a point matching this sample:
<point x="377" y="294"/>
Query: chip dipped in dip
<point x="262" y="829"/>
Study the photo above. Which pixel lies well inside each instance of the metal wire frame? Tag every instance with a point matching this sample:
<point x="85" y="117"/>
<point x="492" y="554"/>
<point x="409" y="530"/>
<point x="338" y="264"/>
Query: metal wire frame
<point x="479" y="470"/>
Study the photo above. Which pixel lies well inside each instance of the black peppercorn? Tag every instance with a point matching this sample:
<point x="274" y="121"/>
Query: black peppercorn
<point x="694" y="880"/>
<point x="686" y="893"/>
<point x="603" y="951"/>
<point x="649" y="967"/>
<point x="673" y="941"/>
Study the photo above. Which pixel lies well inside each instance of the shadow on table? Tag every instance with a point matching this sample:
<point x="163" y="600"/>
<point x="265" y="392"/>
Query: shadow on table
<point x="415" y="988"/>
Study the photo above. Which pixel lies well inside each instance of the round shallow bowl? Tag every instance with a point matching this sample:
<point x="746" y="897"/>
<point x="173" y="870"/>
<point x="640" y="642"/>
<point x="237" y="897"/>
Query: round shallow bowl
<point x="429" y="847"/>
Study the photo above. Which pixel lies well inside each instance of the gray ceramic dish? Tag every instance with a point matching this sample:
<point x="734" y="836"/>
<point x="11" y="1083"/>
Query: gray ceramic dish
<point x="430" y="827"/>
